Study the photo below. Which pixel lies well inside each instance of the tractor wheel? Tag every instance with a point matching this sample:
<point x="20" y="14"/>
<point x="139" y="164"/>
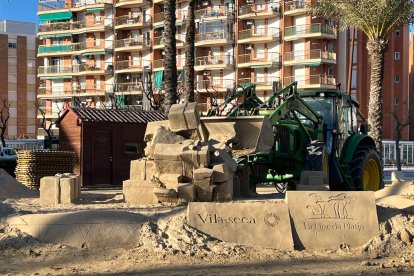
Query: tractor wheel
<point x="366" y="169"/>
<point x="314" y="156"/>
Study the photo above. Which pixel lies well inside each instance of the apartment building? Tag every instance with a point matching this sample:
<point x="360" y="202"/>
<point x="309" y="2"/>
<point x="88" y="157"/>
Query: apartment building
<point x="18" y="76"/>
<point x="102" y="52"/>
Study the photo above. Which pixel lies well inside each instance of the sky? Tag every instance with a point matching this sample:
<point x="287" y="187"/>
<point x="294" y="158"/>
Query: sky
<point x="19" y="10"/>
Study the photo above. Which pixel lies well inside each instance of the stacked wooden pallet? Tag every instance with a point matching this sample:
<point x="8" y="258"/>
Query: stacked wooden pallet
<point x="32" y="165"/>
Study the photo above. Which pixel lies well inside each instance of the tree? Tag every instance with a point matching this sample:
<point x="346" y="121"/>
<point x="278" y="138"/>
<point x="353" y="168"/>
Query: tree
<point x="189" y="54"/>
<point x="47" y="126"/>
<point x="170" y="59"/>
<point x="375" y="18"/>
<point x="4" y="119"/>
<point x="399" y="126"/>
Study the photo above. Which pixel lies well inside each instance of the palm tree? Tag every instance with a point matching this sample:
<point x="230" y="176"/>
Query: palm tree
<point x="189" y="53"/>
<point x="375" y="18"/>
<point x="170" y="52"/>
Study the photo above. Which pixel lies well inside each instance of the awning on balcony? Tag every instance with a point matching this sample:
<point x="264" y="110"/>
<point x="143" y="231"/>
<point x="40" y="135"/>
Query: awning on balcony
<point x="261" y="66"/>
<point x="93" y="53"/>
<point x="311" y="64"/>
<point x="55" y="77"/>
<point x="54" y="35"/>
<point x="158" y="79"/>
<point x="55" y="16"/>
<point x="95" y="9"/>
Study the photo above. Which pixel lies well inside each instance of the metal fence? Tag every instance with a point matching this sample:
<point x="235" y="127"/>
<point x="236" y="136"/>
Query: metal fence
<point x="406" y="153"/>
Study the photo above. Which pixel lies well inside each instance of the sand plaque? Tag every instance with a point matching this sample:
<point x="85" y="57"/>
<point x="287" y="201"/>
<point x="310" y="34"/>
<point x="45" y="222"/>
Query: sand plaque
<point x="325" y="220"/>
<point x="264" y="224"/>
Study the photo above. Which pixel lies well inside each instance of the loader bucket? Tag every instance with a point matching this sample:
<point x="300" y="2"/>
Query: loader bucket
<point x="253" y="132"/>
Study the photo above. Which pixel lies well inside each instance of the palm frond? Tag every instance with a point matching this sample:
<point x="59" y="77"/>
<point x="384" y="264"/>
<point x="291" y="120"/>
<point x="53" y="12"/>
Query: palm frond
<point x="373" y="17"/>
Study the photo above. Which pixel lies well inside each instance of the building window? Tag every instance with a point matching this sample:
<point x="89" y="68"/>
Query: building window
<point x="330" y="72"/>
<point x="397" y="56"/>
<point x="12" y="45"/>
<point x="397" y="33"/>
<point x="133" y="148"/>
<point x="397" y="79"/>
<point x="396" y="101"/>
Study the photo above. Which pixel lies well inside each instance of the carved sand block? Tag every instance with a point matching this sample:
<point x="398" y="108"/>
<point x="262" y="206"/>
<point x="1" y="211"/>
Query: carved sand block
<point x="91" y="229"/>
<point x="325" y="220"/>
<point x="263" y="224"/>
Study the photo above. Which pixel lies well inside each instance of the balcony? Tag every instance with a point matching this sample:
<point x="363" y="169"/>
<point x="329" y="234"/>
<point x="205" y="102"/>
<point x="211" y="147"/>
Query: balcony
<point x="259" y="35"/>
<point x="259" y="60"/>
<point x="312" y="81"/>
<point x="159" y="42"/>
<point x="49" y="113"/>
<point x="127" y="22"/>
<point x="92" y="68"/>
<point x="216" y="62"/>
<point x="89" y="47"/>
<point x="131" y="66"/>
<point x="62" y="49"/>
<point x="180" y="15"/>
<point x="76" y="5"/>
<point x="72" y="27"/>
<point x="129" y="88"/>
<point x="311" y="58"/>
<point x="214" y="38"/>
<point x="214" y="85"/>
<point x="129" y="3"/>
<point x="310" y="31"/>
<point x="159" y="64"/>
<point x="74" y="91"/>
<point x="217" y="13"/>
<point x="259" y="11"/>
<point x="132" y="44"/>
<point x="263" y="83"/>
<point x="294" y="8"/>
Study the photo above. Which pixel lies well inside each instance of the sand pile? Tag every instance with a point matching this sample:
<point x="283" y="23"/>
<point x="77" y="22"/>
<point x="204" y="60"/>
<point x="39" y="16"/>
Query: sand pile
<point x="174" y="236"/>
<point x="11" y="188"/>
<point x="396" y="233"/>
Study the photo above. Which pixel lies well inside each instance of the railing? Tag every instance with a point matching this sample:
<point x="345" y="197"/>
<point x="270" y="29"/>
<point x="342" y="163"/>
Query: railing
<point x="180" y="15"/>
<point x="75" y="90"/>
<point x="259" y="32"/>
<point x="131" y="42"/>
<point x="214" y="36"/>
<point x="214" y="84"/>
<point x="214" y="12"/>
<point x="129" y="86"/>
<point x="259" y="57"/>
<point x="71" y="47"/>
<point x="160" y="40"/>
<point x="144" y="20"/>
<point x="259" y="8"/>
<point x="320" y="79"/>
<point x="45" y="5"/>
<point x="121" y="1"/>
<point x="296" y="5"/>
<point x="259" y="81"/>
<point x="160" y="63"/>
<point x="131" y="64"/>
<point x="75" y="68"/>
<point x="312" y="54"/>
<point x="310" y="29"/>
<point x="68" y="26"/>
<point x="214" y="60"/>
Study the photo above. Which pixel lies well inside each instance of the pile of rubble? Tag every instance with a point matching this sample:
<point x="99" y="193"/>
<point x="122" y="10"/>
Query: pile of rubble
<point x="178" y="166"/>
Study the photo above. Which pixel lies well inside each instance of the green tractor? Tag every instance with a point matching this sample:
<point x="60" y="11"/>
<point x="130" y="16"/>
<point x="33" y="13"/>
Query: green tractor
<point x="296" y="131"/>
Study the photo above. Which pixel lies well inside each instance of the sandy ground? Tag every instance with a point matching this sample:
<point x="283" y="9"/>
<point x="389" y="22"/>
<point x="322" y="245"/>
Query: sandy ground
<point x="168" y="246"/>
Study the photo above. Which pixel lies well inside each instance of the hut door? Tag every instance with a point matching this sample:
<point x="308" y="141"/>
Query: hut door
<point x="102" y="158"/>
